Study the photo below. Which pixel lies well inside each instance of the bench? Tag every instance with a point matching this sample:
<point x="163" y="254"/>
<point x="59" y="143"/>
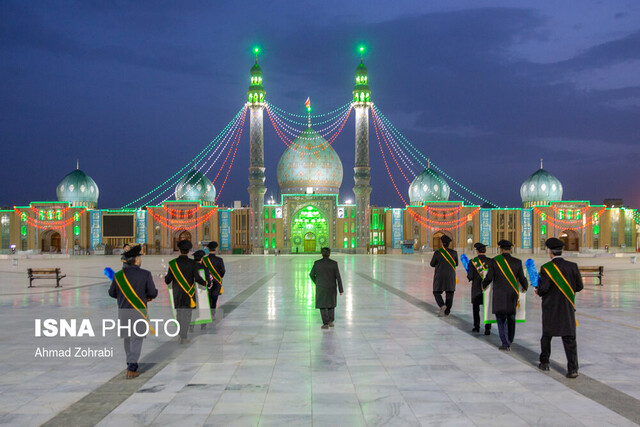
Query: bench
<point x="45" y="273"/>
<point x="595" y="271"/>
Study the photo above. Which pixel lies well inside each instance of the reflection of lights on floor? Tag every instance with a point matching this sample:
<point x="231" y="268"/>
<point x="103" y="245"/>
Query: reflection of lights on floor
<point x="348" y="301"/>
<point x="271" y="303"/>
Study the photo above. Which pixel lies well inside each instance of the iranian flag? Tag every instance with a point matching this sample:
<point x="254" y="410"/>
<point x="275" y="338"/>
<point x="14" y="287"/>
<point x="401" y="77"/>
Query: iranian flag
<point x="308" y="103"/>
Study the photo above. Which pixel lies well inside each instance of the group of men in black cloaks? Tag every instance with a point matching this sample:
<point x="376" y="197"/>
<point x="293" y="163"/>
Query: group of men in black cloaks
<point x="134" y="288"/>
<point x="190" y="270"/>
<point x="559" y="280"/>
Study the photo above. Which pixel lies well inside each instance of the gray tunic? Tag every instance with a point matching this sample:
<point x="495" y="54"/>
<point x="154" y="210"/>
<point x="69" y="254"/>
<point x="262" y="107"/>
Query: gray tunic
<point x="326" y="276"/>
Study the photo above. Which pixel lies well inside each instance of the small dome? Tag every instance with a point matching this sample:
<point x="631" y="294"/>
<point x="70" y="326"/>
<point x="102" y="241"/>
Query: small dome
<point x="196" y="186"/>
<point x="256" y="70"/>
<point x="309" y="162"/>
<point x="540" y="188"/>
<point x="361" y="69"/>
<point x="79" y="189"/>
<point x="428" y="186"/>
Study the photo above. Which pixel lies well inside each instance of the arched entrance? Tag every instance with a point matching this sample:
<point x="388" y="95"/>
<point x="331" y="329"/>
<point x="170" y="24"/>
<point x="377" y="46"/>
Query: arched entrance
<point x="436" y="242"/>
<point x="51" y="242"/>
<point x="310" y="242"/>
<point x="179" y="236"/>
<point x="571" y="240"/>
<point x="309" y="230"/>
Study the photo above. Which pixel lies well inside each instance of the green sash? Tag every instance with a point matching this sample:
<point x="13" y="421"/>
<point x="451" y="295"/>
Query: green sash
<point x="558" y="278"/>
<point x="213" y="271"/>
<point x="179" y="277"/>
<point x="131" y="296"/>
<point x="503" y="265"/>
<point x="447" y="256"/>
<point x="480" y="268"/>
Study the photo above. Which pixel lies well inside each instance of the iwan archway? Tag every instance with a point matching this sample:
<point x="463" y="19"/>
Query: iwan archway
<point x="309" y="230"/>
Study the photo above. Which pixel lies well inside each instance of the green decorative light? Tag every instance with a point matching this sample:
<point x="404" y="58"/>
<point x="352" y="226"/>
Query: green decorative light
<point x="543" y="229"/>
<point x="561" y="214"/>
<point x="23" y="231"/>
<point x="76" y="230"/>
<point x="596" y="229"/>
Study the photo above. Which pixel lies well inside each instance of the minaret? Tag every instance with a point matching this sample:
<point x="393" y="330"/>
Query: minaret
<point x="256" y="103"/>
<point x="362" y="174"/>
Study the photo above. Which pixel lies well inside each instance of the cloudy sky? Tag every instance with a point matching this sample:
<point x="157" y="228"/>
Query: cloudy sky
<point x="484" y="88"/>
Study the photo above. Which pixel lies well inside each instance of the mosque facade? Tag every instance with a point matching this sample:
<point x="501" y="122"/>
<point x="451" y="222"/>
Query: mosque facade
<point x="309" y="215"/>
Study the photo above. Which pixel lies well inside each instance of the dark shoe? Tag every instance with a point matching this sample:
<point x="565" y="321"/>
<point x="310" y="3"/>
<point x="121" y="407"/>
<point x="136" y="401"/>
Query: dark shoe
<point x="504" y="348"/>
<point x="487" y="331"/>
<point x="324" y="327"/>
<point x="543" y="366"/>
<point x="572" y="374"/>
<point x="185" y="340"/>
<point x="131" y="374"/>
<point x="203" y="327"/>
<point x="331" y="324"/>
<point x="447" y="313"/>
<point x="442" y="310"/>
<point x="475" y="330"/>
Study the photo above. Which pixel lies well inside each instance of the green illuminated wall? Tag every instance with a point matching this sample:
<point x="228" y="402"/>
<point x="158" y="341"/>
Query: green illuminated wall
<point x="309" y="222"/>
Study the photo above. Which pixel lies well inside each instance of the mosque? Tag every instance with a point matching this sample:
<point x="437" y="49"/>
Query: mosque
<point x="308" y="215"/>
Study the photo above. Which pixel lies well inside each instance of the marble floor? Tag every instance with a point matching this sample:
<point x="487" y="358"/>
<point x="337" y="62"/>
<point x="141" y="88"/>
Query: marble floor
<point x="265" y="361"/>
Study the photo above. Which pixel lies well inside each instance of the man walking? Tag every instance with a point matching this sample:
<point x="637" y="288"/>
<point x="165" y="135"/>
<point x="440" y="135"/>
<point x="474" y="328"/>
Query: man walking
<point x="134" y="288"/>
<point x="326" y="276"/>
<point x="215" y="267"/>
<point x="506" y="274"/>
<point x="477" y="270"/>
<point x="183" y="271"/>
<point x="445" y="261"/>
<point x="559" y="281"/>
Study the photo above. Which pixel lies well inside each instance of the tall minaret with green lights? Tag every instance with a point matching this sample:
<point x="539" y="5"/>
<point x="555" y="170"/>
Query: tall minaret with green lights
<point x="256" y="103"/>
<point x="362" y="171"/>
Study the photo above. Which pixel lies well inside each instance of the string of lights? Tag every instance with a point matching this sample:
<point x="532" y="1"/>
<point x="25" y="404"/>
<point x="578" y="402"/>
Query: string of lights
<point x="384" y="159"/>
<point x="412" y="149"/>
<point x="293" y="144"/>
<point x="304" y="116"/>
<point x="559" y="224"/>
<point x="434" y="224"/>
<point x="178" y="224"/>
<point x="198" y="156"/>
<point x="324" y="131"/>
<point x="339" y="112"/>
<point x="231" y="164"/>
<point x="374" y="113"/>
<point x="45" y="224"/>
<point x="390" y="152"/>
<point x="219" y="150"/>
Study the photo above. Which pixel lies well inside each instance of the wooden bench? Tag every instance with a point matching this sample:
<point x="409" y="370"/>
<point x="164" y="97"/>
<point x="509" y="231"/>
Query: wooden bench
<point x="592" y="271"/>
<point x="45" y="273"/>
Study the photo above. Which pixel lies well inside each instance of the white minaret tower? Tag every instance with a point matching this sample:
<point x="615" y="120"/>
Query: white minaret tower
<point x="362" y="171"/>
<point x="256" y="103"/>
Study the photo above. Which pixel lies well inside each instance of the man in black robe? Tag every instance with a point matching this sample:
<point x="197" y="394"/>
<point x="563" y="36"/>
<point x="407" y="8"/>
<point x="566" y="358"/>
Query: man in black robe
<point x="445" y="261"/>
<point x="214" y="285"/>
<point x="507" y="275"/>
<point x="326" y="276"/>
<point x="558" y="306"/>
<point x="142" y="286"/>
<point x="182" y="301"/>
<point x="477" y="270"/>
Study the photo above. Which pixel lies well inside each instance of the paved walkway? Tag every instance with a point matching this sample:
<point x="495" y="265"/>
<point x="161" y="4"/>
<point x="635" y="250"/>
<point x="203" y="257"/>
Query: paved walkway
<point x="388" y="361"/>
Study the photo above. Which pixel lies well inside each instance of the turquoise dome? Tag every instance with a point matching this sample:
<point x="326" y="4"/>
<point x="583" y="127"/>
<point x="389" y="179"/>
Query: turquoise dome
<point x="428" y="186"/>
<point x="540" y="188"/>
<point x="79" y="189"/>
<point x="196" y="186"/>
<point x="309" y="162"/>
